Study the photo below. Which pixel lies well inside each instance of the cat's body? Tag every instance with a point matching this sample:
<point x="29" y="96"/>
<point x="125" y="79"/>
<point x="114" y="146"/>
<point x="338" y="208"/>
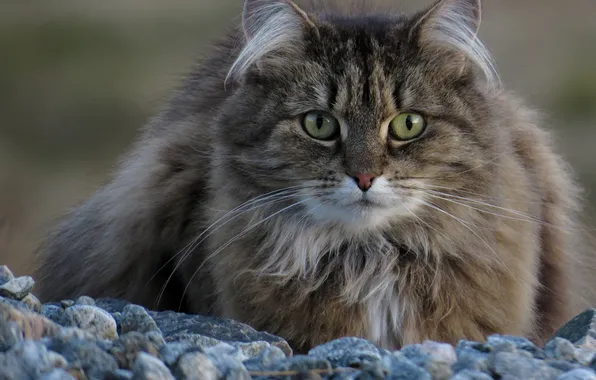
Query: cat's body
<point x="465" y="230"/>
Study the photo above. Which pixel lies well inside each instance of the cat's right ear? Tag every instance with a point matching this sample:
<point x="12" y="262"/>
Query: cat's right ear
<point x="273" y="30"/>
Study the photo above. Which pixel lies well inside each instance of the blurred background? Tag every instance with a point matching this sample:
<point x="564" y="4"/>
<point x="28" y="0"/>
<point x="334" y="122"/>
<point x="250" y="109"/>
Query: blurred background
<point x="79" y="77"/>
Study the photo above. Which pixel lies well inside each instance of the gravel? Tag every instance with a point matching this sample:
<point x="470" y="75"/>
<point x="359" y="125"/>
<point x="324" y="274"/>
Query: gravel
<point x="112" y="339"/>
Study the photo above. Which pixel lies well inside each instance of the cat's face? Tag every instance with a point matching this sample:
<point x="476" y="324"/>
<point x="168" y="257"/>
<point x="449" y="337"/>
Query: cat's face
<point x="363" y="126"/>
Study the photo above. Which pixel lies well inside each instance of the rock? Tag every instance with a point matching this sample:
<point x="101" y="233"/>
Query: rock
<point x="559" y="348"/>
<point x="66" y="303"/>
<point x="581" y="330"/>
<point x="578" y="374"/>
<point x="562" y="365"/>
<point x="32" y="326"/>
<point x="17" y="288"/>
<point x="120" y="374"/>
<point x="174" y="325"/>
<point x="196" y="366"/>
<point x="55" y="314"/>
<point x="32" y="303"/>
<point x="57" y="374"/>
<point x="5" y="274"/>
<point x="147" y="367"/>
<point x="33" y="358"/>
<point x="347" y="352"/>
<point x="136" y="318"/>
<point x="471" y="356"/>
<point x="84" y="300"/>
<point x="85" y="355"/>
<point x="93" y="319"/>
<point x="515" y="366"/>
<point x="402" y="368"/>
<point x="127" y="346"/>
<point x="468" y="374"/>
<point x="156" y="338"/>
<point x="302" y="364"/>
<point x="585" y="356"/>
<point x="265" y="359"/>
<point x="10" y="334"/>
<point x="228" y="360"/>
<point x="171" y="352"/>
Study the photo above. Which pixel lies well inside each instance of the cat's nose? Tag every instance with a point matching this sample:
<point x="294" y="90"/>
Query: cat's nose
<point x="364" y="181"/>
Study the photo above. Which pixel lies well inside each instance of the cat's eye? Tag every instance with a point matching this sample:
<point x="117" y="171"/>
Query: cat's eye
<point x="320" y="125"/>
<point x="407" y="126"/>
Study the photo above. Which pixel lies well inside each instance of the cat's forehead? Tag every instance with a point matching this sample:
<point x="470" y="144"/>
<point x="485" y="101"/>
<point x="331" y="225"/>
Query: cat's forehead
<point x="342" y="40"/>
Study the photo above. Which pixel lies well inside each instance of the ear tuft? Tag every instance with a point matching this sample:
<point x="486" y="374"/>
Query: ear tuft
<point x="270" y="26"/>
<point x="454" y="24"/>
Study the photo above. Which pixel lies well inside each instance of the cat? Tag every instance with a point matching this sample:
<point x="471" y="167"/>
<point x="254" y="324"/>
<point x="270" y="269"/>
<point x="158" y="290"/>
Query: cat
<point x="327" y="172"/>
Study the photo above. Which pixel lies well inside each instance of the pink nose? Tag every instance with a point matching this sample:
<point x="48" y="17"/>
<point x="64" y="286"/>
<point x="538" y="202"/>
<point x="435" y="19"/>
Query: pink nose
<point x="364" y="181"/>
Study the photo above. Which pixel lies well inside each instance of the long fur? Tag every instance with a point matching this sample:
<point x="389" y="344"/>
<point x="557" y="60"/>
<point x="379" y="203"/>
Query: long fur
<point x="226" y="206"/>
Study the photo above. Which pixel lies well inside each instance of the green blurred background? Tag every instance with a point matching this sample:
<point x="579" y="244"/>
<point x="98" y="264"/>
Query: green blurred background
<point x="79" y="77"/>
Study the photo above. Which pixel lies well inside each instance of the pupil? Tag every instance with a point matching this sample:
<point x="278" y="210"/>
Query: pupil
<point x="409" y="123"/>
<point x="320" y="122"/>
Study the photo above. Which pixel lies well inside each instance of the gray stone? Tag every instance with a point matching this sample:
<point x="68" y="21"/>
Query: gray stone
<point x="225" y="330"/>
<point x="561" y="365"/>
<point x="55" y="314"/>
<point x="303" y="363"/>
<point x="16" y="304"/>
<point x="66" y="303"/>
<point x="13" y="368"/>
<point x="439" y="358"/>
<point x="265" y="359"/>
<point x="35" y="358"/>
<point x="17" y="288"/>
<point x="559" y="348"/>
<point x="93" y="319"/>
<point x="578" y="374"/>
<point x="469" y="357"/>
<point x="156" y="338"/>
<point x="196" y="366"/>
<point x="347" y="352"/>
<point x="10" y="334"/>
<point x="120" y="374"/>
<point x="70" y="333"/>
<point x="469" y="374"/>
<point x="126" y="348"/>
<point x="57" y="374"/>
<point x="85" y="300"/>
<point x="228" y="360"/>
<point x="32" y="303"/>
<point x="585" y="356"/>
<point x="514" y="366"/>
<point x="147" y="367"/>
<point x="171" y="352"/>
<point x="581" y="330"/>
<point x="85" y="355"/>
<point x="136" y="318"/>
<point x="402" y="368"/>
<point x="5" y="274"/>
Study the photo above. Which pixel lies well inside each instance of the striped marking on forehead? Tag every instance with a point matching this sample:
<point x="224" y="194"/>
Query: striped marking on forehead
<point x="362" y="82"/>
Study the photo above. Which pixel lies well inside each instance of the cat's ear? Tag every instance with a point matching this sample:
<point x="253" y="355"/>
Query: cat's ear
<point x="450" y="27"/>
<point x="273" y="30"/>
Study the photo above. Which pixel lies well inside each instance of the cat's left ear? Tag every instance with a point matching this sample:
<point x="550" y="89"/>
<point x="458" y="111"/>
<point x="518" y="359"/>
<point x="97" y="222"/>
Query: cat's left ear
<point x="273" y="31"/>
<point x="450" y="27"/>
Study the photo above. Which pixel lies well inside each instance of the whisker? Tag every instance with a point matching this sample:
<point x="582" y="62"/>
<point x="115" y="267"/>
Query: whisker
<point x="285" y="192"/>
<point x="466" y="225"/>
<point x="523" y="217"/>
<point x="210" y="230"/>
<point x="239" y="235"/>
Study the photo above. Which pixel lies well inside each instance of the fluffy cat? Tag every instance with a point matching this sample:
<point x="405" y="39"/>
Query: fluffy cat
<point x="324" y="174"/>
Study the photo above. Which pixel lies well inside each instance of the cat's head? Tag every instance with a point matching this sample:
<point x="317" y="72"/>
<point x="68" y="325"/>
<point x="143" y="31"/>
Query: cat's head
<point x="360" y="116"/>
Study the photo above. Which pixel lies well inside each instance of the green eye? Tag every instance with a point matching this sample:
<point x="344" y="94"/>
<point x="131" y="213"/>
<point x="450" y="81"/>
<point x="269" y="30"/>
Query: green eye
<point x="407" y="126"/>
<point x="320" y="125"/>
